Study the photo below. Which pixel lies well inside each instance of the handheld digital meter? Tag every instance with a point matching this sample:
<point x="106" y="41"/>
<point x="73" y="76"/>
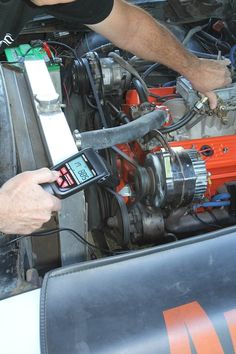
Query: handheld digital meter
<point x="77" y="173"/>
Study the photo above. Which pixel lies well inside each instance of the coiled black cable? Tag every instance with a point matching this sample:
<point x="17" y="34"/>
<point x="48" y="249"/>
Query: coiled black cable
<point x="183" y="121"/>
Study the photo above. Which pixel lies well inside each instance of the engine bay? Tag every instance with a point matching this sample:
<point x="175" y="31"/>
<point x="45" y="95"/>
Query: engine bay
<point x="172" y="160"/>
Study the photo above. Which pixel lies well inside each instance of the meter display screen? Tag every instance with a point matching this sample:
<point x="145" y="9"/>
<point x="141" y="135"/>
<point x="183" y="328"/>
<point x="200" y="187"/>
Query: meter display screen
<point x="75" y="172"/>
<point x="80" y="169"/>
<point x="78" y="172"/>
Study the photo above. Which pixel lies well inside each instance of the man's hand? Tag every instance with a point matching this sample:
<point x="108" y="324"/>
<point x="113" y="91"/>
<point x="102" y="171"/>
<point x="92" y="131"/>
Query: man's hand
<point x="24" y="205"/>
<point x="50" y="2"/>
<point x="207" y="75"/>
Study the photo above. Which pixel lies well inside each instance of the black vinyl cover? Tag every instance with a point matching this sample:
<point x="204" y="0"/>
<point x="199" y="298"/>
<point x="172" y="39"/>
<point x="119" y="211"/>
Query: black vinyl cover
<point x="171" y="299"/>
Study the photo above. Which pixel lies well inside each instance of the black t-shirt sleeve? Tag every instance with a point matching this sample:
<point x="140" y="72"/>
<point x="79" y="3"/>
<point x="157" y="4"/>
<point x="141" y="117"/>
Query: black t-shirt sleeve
<point x="82" y="11"/>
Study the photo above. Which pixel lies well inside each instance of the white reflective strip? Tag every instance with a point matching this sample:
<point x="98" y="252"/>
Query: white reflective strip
<point x="55" y="129"/>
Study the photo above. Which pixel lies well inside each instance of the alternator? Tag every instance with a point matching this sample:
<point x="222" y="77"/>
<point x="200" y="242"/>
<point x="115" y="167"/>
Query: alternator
<point x="108" y="75"/>
<point x="172" y="179"/>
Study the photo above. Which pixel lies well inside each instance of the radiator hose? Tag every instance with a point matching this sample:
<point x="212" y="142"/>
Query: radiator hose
<point x="105" y="138"/>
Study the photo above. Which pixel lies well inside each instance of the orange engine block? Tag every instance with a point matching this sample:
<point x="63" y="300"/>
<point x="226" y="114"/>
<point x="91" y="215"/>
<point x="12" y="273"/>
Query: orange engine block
<point x="219" y="153"/>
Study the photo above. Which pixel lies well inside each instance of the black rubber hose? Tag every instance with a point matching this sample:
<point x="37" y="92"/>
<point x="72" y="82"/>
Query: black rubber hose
<point x="150" y="70"/>
<point x="105" y="138"/>
<point x="183" y="121"/>
<point x="141" y="92"/>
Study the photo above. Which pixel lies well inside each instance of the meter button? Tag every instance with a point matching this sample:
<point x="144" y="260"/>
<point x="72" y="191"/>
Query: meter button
<point x="69" y="179"/>
<point x="64" y="185"/>
<point x="59" y="181"/>
<point x="63" y="170"/>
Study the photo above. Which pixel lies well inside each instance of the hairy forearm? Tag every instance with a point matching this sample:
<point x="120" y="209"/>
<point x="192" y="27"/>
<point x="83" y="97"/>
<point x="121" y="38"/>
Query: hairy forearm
<point x="150" y="40"/>
<point x="137" y="32"/>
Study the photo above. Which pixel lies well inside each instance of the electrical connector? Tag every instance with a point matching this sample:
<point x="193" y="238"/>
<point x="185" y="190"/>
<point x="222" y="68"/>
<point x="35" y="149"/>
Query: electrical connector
<point x="199" y="105"/>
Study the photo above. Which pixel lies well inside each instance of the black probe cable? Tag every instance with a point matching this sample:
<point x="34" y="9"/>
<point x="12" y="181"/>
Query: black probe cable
<point x="211" y="225"/>
<point x="71" y="231"/>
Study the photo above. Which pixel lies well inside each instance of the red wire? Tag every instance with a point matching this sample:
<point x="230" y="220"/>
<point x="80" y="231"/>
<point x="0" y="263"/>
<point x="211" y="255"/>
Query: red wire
<point x="54" y="50"/>
<point x="47" y="50"/>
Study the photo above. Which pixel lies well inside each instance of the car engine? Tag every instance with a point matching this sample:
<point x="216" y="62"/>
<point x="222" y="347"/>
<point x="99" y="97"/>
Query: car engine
<point x="172" y="160"/>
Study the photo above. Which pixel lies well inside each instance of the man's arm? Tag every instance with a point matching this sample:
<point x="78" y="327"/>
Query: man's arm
<point x="24" y="205"/>
<point x="132" y="29"/>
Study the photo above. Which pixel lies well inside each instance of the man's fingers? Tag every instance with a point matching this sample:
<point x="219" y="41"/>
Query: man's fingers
<point x="226" y="62"/>
<point x="56" y="204"/>
<point x="228" y="78"/>
<point x="44" y="175"/>
<point x="212" y="99"/>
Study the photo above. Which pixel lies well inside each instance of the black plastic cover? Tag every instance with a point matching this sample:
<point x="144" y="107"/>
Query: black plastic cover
<point x="173" y="299"/>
